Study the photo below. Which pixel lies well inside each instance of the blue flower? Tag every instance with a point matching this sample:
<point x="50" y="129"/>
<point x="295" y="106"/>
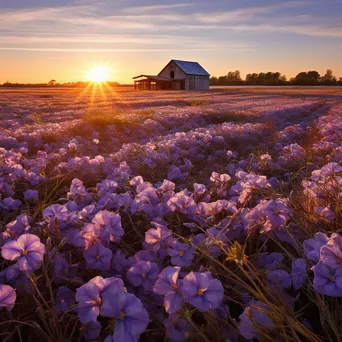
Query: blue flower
<point x="130" y="318"/>
<point x="328" y="280"/>
<point x="202" y="291"/>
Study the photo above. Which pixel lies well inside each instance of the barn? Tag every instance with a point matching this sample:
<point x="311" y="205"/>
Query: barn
<point x="176" y="75"/>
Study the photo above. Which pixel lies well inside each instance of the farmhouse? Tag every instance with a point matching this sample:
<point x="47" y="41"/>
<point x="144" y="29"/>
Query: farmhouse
<point x="176" y="75"/>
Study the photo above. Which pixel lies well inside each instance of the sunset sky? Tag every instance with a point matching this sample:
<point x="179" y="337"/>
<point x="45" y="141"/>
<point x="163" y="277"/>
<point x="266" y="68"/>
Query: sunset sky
<point x="61" y="39"/>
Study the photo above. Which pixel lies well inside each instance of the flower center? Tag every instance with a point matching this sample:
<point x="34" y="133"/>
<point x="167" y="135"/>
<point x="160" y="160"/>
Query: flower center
<point x="187" y="335"/>
<point x="200" y="292"/>
<point x="24" y="252"/>
<point x="96" y="302"/>
<point x="144" y="275"/>
<point x="121" y="316"/>
<point x="332" y="277"/>
<point x="181" y="253"/>
<point x="174" y="286"/>
<point x="66" y="271"/>
<point x="97" y="257"/>
<point x="276" y="211"/>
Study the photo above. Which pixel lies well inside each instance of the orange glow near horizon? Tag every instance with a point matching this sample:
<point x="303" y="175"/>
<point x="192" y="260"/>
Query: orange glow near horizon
<point x="99" y="74"/>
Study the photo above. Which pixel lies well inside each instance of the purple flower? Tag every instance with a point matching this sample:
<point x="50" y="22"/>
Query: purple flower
<point x="78" y="192"/>
<point x="279" y="278"/>
<point x="119" y="261"/>
<point x="7" y="297"/>
<point x="143" y="273"/>
<point x="56" y="212"/>
<point x="64" y="299"/>
<point x="111" y="223"/>
<point x="181" y="254"/>
<point x="313" y="246"/>
<point x="98" y="257"/>
<point x="270" y="261"/>
<point x="298" y="273"/>
<point x="91" y="330"/>
<point x="331" y="253"/>
<point x="254" y="315"/>
<point x="31" y="196"/>
<point x="325" y="213"/>
<point x="277" y="212"/>
<point x="130" y="316"/>
<point x="9" y="203"/>
<point x="202" y="291"/>
<point x="63" y="271"/>
<point x="169" y="285"/>
<point x="328" y="280"/>
<point x="19" y="226"/>
<point x="28" y="251"/>
<point x="178" y="329"/>
<point x="184" y="204"/>
<point x="157" y="238"/>
<point x="89" y="296"/>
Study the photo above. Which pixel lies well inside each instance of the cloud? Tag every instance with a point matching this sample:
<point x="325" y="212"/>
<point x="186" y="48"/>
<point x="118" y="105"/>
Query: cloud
<point x="90" y="26"/>
<point x="149" y="9"/>
<point x="90" y="50"/>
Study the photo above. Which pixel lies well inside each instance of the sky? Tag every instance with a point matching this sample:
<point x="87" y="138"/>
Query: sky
<point x="42" y="40"/>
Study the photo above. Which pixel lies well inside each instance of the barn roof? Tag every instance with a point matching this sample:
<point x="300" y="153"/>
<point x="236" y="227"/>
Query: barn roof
<point x="191" y="68"/>
<point x="157" y="78"/>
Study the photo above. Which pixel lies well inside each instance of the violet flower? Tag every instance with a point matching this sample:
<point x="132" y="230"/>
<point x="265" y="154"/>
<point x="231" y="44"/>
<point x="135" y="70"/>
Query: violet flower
<point x="28" y="251"/>
<point x="298" y="273"/>
<point x="202" y="291"/>
<point x="7" y="297"/>
<point x="98" y="257"/>
<point x="169" y="285"/>
<point x="181" y="254"/>
<point x="91" y="330"/>
<point x="254" y="315"/>
<point x="65" y="298"/>
<point x="131" y="319"/>
<point x="328" y="280"/>
<point x="143" y="273"/>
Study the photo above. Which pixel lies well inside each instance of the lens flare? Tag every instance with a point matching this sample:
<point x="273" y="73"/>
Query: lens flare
<point x="99" y="74"/>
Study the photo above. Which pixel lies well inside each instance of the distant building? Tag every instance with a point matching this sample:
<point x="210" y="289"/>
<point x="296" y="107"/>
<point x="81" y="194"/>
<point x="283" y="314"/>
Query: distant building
<point x="176" y="75"/>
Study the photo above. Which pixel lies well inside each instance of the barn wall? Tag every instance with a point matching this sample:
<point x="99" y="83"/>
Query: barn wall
<point x="202" y="83"/>
<point x="179" y="73"/>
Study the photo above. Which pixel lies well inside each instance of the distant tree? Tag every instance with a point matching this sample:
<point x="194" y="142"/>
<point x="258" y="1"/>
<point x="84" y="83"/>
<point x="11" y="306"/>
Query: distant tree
<point x="328" y="78"/>
<point x="251" y="79"/>
<point x="213" y="80"/>
<point x="306" y="78"/>
<point x="313" y="76"/>
<point x="283" y="79"/>
<point x="234" y="77"/>
<point x="52" y="83"/>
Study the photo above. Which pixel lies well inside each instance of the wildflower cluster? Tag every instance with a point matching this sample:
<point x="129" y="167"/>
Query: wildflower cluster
<point x="175" y="227"/>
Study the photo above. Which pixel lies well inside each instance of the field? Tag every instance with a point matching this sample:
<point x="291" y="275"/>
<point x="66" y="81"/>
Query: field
<point x="184" y="216"/>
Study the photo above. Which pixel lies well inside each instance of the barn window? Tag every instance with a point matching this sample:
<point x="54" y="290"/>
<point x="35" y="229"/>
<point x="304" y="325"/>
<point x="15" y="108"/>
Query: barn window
<point x="172" y="74"/>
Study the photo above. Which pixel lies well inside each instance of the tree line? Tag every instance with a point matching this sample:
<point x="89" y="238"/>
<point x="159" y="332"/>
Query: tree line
<point x="311" y="78"/>
<point x="52" y="83"/>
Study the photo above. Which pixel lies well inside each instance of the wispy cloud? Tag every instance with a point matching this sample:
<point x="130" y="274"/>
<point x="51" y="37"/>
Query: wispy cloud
<point x="83" y="50"/>
<point x="244" y="14"/>
<point x="132" y="29"/>
<point x="159" y="8"/>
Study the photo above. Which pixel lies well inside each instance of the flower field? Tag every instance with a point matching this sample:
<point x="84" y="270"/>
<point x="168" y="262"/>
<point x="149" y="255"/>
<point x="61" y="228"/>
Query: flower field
<point x="141" y="216"/>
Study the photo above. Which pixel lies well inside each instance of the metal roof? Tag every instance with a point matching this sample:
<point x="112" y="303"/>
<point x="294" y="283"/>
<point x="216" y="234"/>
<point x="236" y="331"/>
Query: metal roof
<point x="156" y="78"/>
<point x="191" y="68"/>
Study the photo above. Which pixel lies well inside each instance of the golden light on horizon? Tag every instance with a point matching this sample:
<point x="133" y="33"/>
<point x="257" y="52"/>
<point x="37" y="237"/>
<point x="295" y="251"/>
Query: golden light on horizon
<point x="99" y="74"/>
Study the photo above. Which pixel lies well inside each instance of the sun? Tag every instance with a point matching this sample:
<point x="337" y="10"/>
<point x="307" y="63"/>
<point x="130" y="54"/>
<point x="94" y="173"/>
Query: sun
<point x="99" y="74"/>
